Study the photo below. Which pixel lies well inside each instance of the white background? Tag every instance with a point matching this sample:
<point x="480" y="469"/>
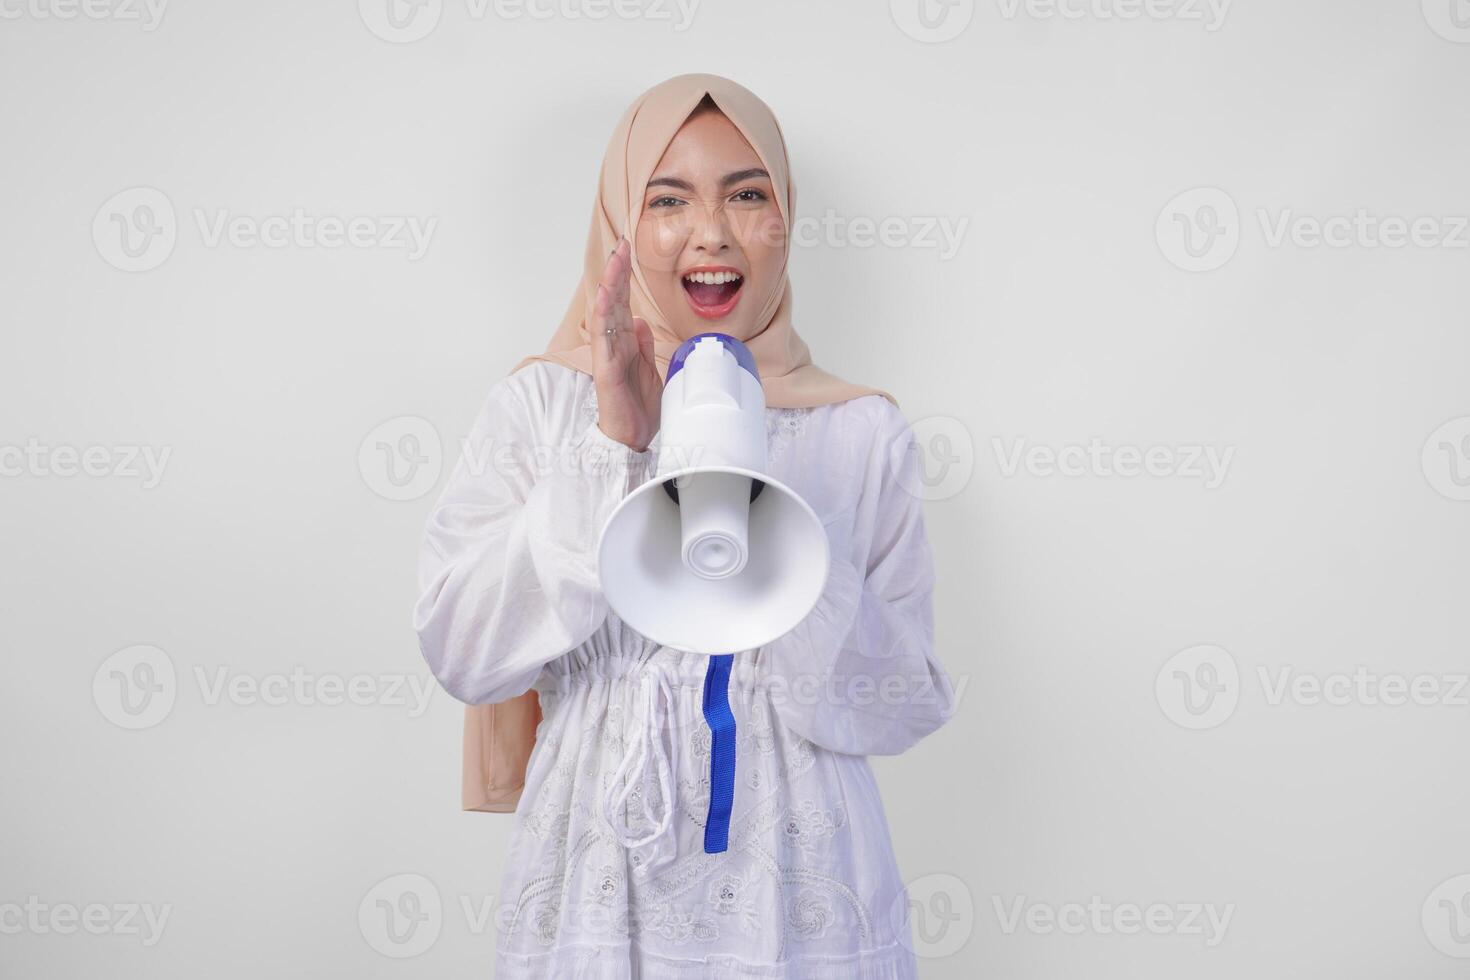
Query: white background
<point x="1076" y="145"/>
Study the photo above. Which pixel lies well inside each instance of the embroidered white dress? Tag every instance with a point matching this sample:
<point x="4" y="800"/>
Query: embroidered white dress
<point x="606" y="875"/>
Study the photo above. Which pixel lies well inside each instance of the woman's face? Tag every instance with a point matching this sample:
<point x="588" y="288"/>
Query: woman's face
<point x="710" y="239"/>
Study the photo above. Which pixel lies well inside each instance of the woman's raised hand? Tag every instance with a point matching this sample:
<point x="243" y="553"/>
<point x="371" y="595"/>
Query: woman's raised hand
<point x="629" y="388"/>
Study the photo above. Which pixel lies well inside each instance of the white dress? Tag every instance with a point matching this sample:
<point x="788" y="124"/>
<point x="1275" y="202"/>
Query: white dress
<point x="606" y="876"/>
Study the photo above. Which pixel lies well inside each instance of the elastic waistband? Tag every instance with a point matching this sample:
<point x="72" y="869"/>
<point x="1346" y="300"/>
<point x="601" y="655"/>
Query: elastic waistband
<point x="671" y="667"/>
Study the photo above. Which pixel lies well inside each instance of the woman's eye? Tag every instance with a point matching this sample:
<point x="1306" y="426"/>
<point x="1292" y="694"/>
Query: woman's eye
<point x="749" y="194"/>
<point x="664" y="202"/>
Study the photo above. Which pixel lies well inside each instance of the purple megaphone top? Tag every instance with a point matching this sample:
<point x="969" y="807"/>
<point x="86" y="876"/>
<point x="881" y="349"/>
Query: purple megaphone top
<point x="743" y="356"/>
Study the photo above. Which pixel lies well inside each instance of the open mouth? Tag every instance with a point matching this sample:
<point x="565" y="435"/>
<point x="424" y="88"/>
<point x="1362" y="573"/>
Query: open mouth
<point x="713" y="293"/>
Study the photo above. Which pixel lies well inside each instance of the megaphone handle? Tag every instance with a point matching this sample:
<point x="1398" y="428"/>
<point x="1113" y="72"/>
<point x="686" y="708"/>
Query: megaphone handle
<point x="756" y="486"/>
<point x="722" y="752"/>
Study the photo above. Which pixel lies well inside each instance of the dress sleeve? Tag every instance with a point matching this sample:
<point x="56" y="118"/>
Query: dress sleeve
<point x="859" y="674"/>
<point x="508" y="567"/>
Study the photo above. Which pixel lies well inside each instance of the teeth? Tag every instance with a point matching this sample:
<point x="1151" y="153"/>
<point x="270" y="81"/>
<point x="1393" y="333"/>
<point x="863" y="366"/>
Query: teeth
<point x="713" y="278"/>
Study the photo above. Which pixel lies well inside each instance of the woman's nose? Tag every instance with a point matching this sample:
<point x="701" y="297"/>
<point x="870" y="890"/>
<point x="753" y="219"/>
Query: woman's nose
<point x="711" y="231"/>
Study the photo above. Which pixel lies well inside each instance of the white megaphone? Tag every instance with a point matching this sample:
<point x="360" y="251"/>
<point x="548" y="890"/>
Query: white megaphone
<point x="712" y="555"/>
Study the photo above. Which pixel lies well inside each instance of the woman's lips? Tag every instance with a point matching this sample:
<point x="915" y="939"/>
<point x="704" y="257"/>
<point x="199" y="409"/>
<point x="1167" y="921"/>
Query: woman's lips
<point x="712" y="300"/>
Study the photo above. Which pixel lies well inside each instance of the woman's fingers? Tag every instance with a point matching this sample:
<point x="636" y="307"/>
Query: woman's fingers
<point x="611" y="316"/>
<point x="627" y="376"/>
<point x="615" y="272"/>
<point x="644" y="333"/>
<point x="615" y="279"/>
<point x="603" y="347"/>
<point x="624" y="254"/>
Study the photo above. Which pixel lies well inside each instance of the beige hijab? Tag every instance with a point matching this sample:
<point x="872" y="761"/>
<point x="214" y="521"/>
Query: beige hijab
<point x="499" y="737"/>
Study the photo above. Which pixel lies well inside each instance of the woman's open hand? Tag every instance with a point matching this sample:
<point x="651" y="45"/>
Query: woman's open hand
<point x="629" y="388"/>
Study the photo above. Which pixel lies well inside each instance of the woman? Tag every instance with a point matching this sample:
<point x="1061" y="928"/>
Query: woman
<point x="606" y="875"/>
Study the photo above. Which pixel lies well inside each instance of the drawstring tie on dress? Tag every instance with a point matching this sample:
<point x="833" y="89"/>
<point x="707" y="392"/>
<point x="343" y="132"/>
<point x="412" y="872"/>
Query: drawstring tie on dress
<point x="657" y="698"/>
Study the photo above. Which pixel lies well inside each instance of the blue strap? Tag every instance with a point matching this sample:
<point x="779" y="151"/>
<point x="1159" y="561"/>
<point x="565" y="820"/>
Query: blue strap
<point x="722" y="752"/>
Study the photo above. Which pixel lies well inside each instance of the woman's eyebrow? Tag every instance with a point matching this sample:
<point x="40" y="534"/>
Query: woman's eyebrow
<point x="740" y="175"/>
<point x="682" y="185"/>
<point x="732" y="178"/>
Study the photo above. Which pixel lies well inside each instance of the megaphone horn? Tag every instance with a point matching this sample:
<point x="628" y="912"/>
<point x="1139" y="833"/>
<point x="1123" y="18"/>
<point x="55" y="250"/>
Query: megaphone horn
<point x="717" y="556"/>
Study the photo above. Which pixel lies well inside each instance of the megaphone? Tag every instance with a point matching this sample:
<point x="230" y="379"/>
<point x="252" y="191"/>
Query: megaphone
<point x="712" y="555"/>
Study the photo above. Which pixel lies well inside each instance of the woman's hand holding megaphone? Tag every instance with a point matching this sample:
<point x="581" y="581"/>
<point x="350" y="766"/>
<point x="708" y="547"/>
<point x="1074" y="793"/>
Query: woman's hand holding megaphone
<point x="629" y="388"/>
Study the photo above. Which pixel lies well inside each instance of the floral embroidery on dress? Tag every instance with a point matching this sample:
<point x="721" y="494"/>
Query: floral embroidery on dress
<point x="808" y="826"/>
<point x="700" y="742"/>
<point x="612" y="727"/>
<point x="754" y="778"/>
<point x="782" y="426"/>
<point x="548" y="820"/>
<point x="677" y="927"/>
<point x="646" y="788"/>
<point x="757" y="732"/>
<point x="587" y="414"/>
<point x="562" y="775"/>
<point x="862" y="922"/>
<point x="694" y="799"/>
<point x="547" y="921"/>
<point x="800" y="759"/>
<point x="730" y="894"/>
<point x="808" y="913"/>
<point x="724" y="893"/>
<point x="786" y="423"/>
<point x="607" y="886"/>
